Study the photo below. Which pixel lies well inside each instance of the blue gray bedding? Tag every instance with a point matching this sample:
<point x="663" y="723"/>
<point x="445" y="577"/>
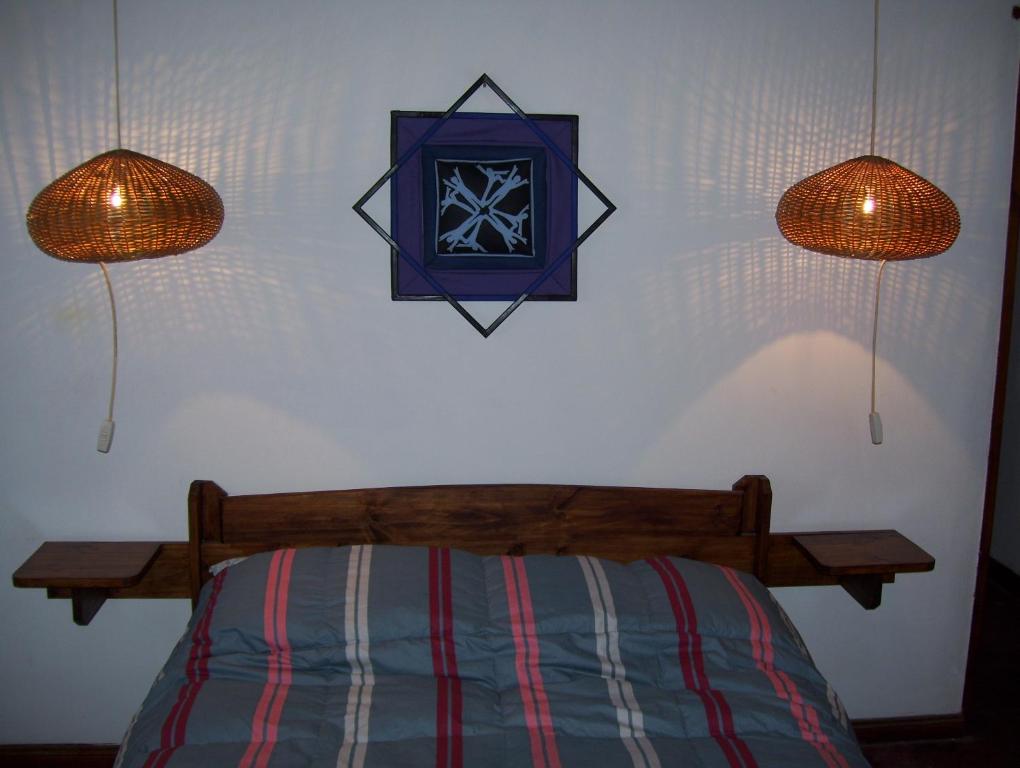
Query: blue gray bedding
<point x="384" y="656"/>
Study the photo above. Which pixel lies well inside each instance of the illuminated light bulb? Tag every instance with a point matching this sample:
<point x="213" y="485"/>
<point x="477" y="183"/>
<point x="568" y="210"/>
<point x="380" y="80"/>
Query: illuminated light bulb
<point x="115" y="199"/>
<point x="869" y="205"/>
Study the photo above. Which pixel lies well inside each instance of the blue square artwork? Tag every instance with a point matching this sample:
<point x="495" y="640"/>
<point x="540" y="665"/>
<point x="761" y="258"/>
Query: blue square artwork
<point x="483" y="206"/>
<point x="475" y="251"/>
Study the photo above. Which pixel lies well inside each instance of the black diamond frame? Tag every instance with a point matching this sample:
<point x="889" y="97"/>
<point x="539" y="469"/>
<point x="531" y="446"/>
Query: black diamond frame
<point x="485" y="330"/>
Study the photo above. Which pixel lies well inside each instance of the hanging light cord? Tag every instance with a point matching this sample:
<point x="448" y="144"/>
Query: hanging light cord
<point x="874" y="420"/>
<point x="116" y="71"/>
<point x="106" y="430"/>
<point x="113" y="316"/>
<point x="874" y="332"/>
<point x="874" y="80"/>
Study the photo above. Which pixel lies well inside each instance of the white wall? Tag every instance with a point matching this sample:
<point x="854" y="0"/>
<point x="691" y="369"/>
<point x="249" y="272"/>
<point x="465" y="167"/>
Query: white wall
<point x="703" y="346"/>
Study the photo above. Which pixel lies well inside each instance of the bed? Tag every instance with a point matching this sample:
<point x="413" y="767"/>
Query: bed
<point x="487" y="626"/>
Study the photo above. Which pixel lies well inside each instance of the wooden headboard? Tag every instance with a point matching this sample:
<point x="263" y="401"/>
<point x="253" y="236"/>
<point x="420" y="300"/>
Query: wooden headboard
<point x="724" y="527"/>
<point x="618" y="523"/>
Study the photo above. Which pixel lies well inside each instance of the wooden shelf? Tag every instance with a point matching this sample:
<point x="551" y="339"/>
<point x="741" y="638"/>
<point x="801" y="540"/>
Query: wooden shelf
<point x="861" y="561"/>
<point x="90" y="570"/>
<point x="89" y="573"/>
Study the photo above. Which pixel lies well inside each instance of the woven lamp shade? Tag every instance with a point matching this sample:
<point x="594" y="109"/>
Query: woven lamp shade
<point x="122" y="206"/>
<point x="868" y="208"/>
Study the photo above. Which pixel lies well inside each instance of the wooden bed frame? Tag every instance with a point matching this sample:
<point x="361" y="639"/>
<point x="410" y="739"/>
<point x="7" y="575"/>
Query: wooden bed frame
<point x="617" y="523"/>
<point x="718" y="526"/>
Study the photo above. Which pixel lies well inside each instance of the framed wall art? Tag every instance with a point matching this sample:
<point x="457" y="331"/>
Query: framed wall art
<point x="483" y="206"/>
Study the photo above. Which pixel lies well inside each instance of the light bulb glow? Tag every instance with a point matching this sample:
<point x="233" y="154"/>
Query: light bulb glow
<point x="115" y="199"/>
<point x="869" y="204"/>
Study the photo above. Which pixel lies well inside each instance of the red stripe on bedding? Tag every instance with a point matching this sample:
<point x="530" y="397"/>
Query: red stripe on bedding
<point x="520" y="663"/>
<point x="455" y="695"/>
<point x="531" y="634"/>
<point x="449" y="703"/>
<point x="699" y="667"/>
<point x="268" y="632"/>
<point x="692" y="664"/>
<point x="266" y="720"/>
<point x="197" y="672"/>
<point x="285" y="665"/>
<point x="442" y="690"/>
<point x="545" y="721"/>
<point x="764" y="655"/>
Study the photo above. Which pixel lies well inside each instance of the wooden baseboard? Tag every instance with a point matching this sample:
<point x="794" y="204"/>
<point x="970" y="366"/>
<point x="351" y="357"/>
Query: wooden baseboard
<point x="923" y="728"/>
<point x="58" y="755"/>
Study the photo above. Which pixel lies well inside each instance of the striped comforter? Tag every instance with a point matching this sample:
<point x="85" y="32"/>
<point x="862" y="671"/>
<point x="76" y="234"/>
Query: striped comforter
<point x="396" y="656"/>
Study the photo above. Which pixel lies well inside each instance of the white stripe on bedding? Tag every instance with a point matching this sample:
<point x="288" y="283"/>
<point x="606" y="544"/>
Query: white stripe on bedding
<point x="359" y="697"/>
<point x="607" y="646"/>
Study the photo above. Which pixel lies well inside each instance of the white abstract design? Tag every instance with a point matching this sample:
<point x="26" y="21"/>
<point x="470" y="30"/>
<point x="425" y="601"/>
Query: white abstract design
<point x="483" y="207"/>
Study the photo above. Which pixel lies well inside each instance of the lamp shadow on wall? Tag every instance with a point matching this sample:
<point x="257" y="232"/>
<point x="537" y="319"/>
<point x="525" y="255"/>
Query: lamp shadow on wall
<point x="742" y="131"/>
<point x="192" y="103"/>
<point x="721" y="299"/>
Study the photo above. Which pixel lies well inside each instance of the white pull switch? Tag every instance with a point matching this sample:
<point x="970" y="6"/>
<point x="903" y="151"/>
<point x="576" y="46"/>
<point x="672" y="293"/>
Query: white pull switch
<point x="105" y="436"/>
<point x="876" y="427"/>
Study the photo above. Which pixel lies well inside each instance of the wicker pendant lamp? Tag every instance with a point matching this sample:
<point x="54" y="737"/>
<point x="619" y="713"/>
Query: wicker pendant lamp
<point x="122" y="206"/>
<point x="869" y="208"/>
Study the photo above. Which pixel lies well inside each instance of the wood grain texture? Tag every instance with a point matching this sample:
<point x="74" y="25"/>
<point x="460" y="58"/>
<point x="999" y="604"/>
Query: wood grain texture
<point x="168" y="576"/>
<point x="205" y="520"/>
<point x="540" y="513"/>
<point x="999" y="399"/>
<point x="788" y="566"/>
<point x="618" y="523"/>
<point x="914" y="728"/>
<point x="58" y="755"/>
<point x="862" y="553"/>
<point x="757" y="516"/>
<point x="87" y="564"/>
<point x="725" y="527"/>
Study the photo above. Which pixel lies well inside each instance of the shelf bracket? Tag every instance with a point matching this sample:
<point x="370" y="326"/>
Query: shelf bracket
<point x="866" y="590"/>
<point x="85" y="604"/>
<point x="861" y="561"/>
<point x="88" y="572"/>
